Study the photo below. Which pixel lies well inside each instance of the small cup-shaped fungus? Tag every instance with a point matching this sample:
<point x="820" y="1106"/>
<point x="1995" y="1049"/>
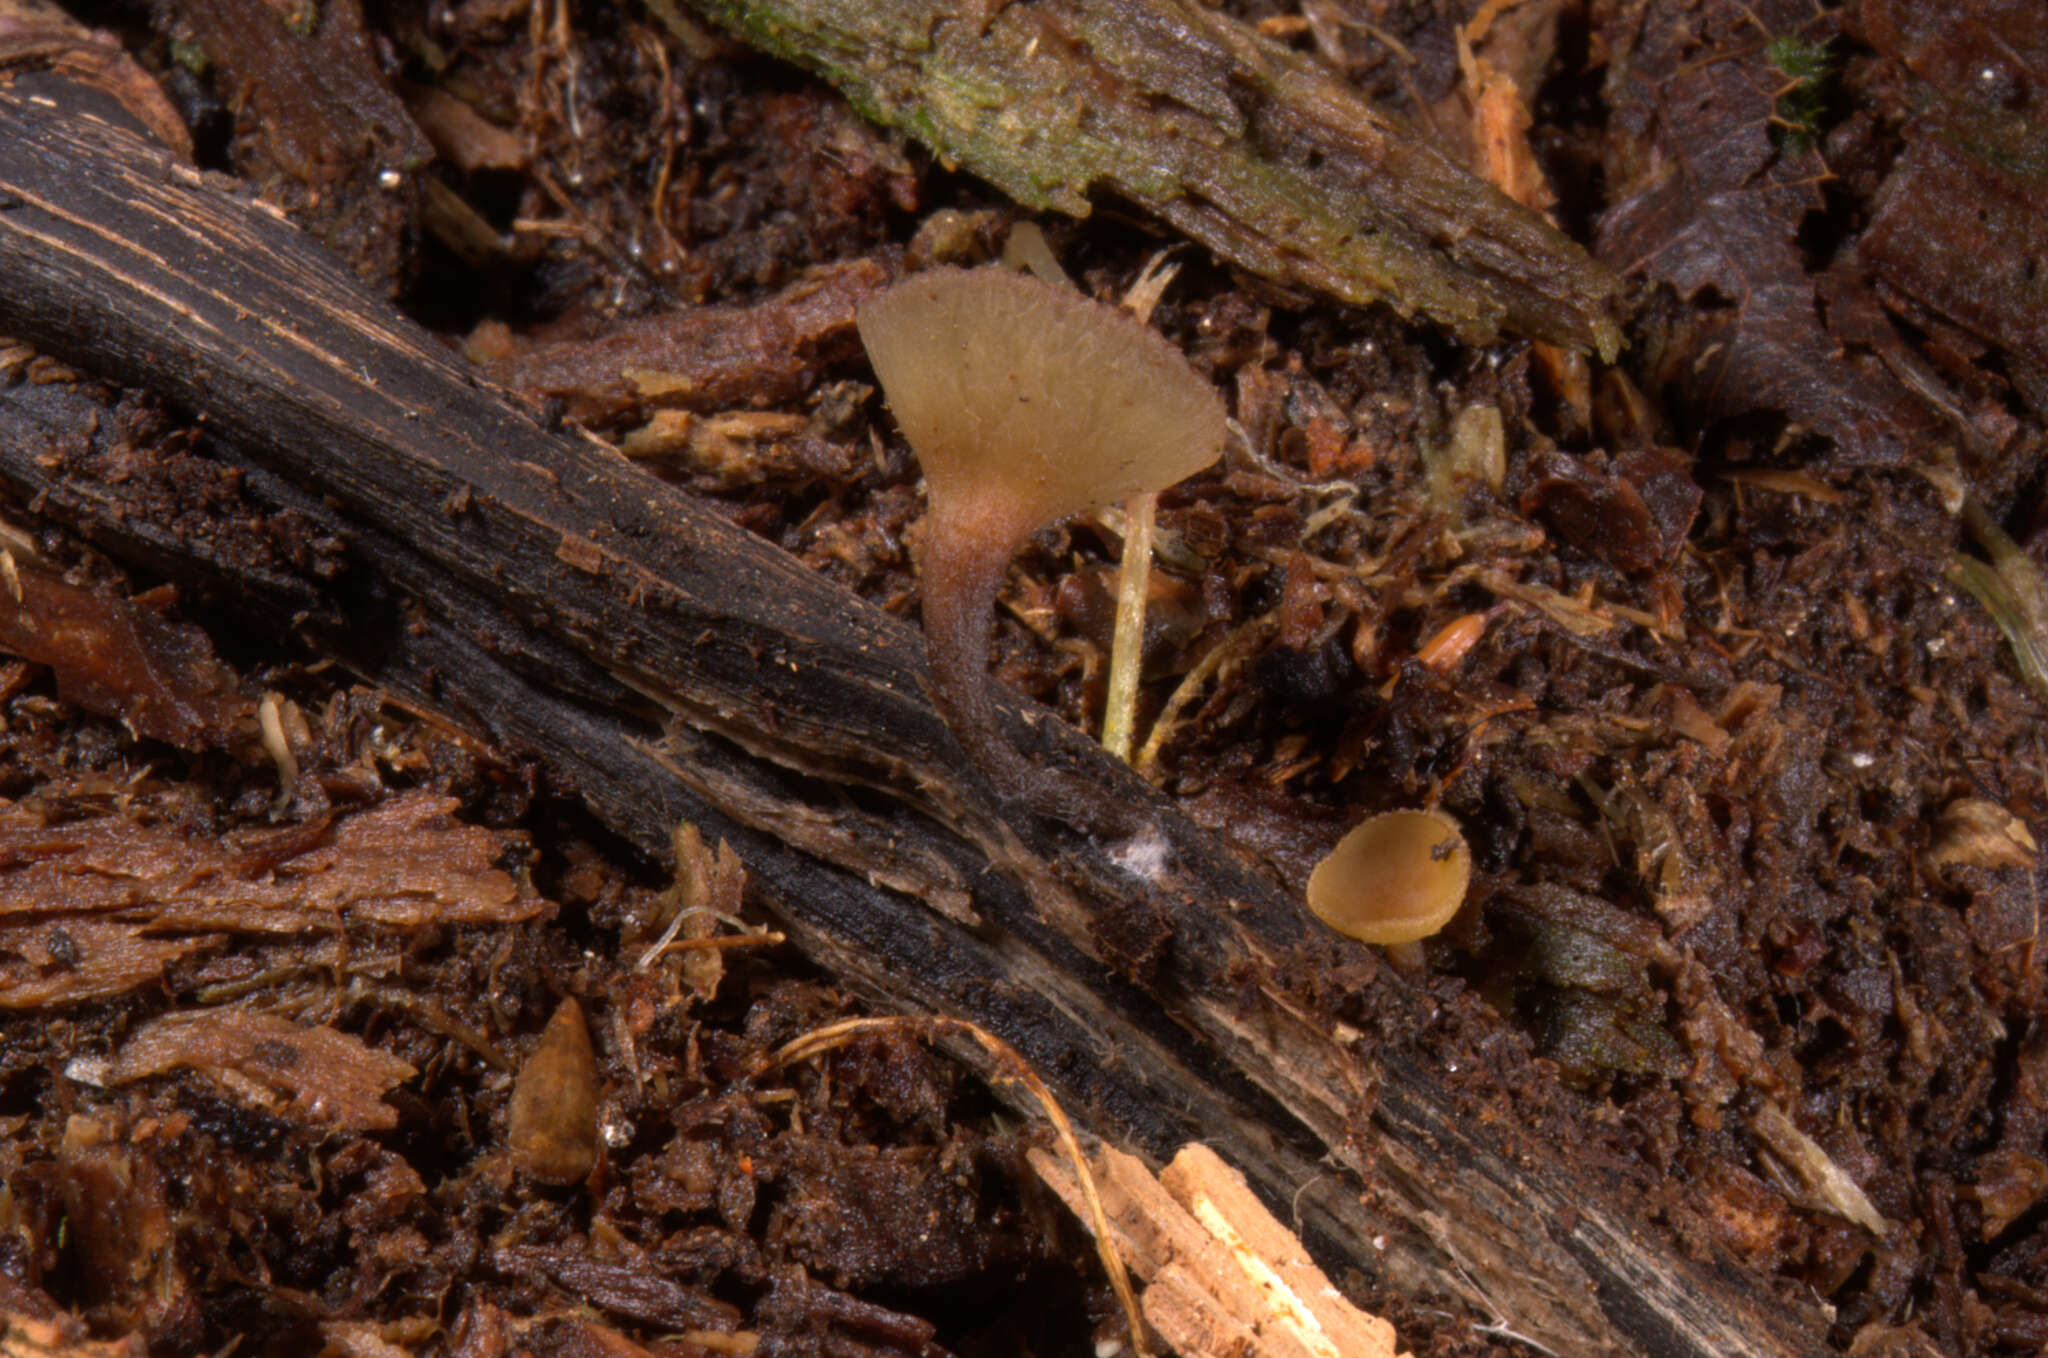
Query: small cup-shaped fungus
<point x="1025" y="403"/>
<point x="1397" y="878"/>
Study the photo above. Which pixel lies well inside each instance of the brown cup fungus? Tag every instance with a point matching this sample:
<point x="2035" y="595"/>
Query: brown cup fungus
<point x="1025" y="403"/>
<point x="1397" y="878"/>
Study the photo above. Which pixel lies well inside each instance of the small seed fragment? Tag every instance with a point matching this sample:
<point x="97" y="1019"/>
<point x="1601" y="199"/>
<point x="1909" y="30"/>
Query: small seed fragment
<point x="553" y="1121"/>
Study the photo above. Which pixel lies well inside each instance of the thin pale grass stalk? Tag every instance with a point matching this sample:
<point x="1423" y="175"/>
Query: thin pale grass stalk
<point x="1011" y="1064"/>
<point x="1134" y="577"/>
<point x="1127" y="648"/>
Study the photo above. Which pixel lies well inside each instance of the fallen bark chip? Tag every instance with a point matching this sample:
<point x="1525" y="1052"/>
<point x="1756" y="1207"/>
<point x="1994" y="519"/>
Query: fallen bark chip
<point x="68" y="960"/>
<point x="405" y="863"/>
<point x="706" y="358"/>
<point x="97" y="907"/>
<point x="120" y="659"/>
<point x="318" y="1075"/>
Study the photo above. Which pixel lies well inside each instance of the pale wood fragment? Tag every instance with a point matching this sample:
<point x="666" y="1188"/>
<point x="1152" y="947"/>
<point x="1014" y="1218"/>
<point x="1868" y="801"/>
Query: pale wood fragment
<point x="63" y="1336"/>
<point x="1222" y="1276"/>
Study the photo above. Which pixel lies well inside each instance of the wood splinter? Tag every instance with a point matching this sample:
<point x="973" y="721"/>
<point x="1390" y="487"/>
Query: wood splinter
<point x="1221" y="1274"/>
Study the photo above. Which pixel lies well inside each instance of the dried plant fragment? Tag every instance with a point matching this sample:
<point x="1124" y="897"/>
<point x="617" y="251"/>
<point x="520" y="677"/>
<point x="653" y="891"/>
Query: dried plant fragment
<point x="1500" y="118"/>
<point x="1917" y="236"/>
<point x="1222" y="1276"/>
<point x="317" y="1075"/>
<point x="1632" y="511"/>
<point x="1974" y="832"/>
<point x="2012" y="590"/>
<point x="552" y="1125"/>
<point x="636" y="1290"/>
<point x="122" y="1231"/>
<point x="2009" y="1183"/>
<point x="683" y="938"/>
<point x="63" y="1336"/>
<point x="1826" y="1183"/>
<point x="1956" y="226"/>
<point x="464" y="136"/>
<point x="121" y="659"/>
<point x="706" y="358"/>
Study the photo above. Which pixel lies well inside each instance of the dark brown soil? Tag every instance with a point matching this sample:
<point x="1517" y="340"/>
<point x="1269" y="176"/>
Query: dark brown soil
<point x="1749" y="774"/>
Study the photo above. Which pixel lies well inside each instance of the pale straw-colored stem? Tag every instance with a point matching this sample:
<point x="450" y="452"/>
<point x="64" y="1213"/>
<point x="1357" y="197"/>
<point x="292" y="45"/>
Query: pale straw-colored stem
<point x="1127" y="648"/>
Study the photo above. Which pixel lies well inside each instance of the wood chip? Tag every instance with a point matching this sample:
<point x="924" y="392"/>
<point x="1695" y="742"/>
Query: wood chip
<point x="97" y="907"/>
<point x="1975" y="832"/>
<point x="1827" y="1184"/>
<point x="121" y="658"/>
<point x="1222" y="1275"/>
<point x="318" y="1075"/>
<point x="404" y="863"/>
<point x="63" y="1337"/>
<point x="63" y="961"/>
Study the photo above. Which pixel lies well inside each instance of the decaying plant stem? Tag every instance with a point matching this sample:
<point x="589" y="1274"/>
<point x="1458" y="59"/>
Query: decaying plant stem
<point x="1249" y="148"/>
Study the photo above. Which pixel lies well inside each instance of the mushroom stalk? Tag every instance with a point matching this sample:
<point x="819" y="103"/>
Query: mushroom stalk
<point x="966" y="552"/>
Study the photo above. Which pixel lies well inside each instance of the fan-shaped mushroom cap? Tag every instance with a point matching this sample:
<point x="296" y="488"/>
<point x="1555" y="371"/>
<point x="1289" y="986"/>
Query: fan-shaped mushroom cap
<point x="1025" y="402"/>
<point x="1058" y="403"/>
<point x="1397" y="878"/>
